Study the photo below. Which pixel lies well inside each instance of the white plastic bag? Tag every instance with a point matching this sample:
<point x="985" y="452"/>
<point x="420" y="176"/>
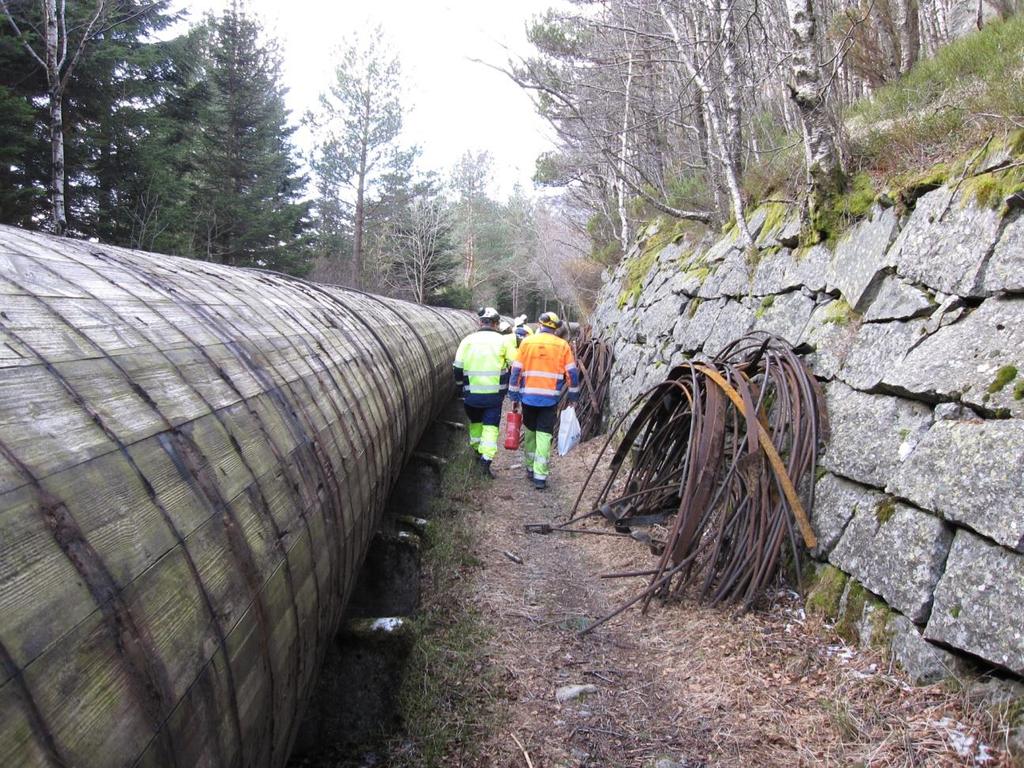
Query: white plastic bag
<point x="568" y="431"/>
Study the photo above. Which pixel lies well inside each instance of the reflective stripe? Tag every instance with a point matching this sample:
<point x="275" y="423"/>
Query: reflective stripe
<point x="543" y="375"/>
<point x="574" y="390"/>
<point x="538" y="391"/>
<point x="483" y="373"/>
<point x="483" y="389"/>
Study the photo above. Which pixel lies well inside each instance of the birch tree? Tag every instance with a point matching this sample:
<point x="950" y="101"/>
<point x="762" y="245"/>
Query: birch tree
<point x="422" y="258"/>
<point x="821" y="155"/>
<point x="58" y="58"/>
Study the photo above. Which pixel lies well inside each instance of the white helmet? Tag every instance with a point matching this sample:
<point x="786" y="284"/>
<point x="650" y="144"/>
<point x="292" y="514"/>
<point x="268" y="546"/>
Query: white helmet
<point x="488" y="315"/>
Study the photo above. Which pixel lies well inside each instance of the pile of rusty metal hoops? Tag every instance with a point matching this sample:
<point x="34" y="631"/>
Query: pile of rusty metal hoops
<point x="723" y="446"/>
<point x="594" y="362"/>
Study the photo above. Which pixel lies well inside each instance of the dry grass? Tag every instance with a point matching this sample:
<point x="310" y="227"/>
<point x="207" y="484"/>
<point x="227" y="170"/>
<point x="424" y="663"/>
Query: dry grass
<point x="701" y="686"/>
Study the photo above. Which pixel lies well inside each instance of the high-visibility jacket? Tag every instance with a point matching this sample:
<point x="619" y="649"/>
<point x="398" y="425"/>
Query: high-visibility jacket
<point x="542" y="366"/>
<point x="482" y="366"/>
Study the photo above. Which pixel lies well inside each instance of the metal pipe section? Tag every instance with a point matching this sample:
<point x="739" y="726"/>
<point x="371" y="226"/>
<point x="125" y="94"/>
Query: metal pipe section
<point x="193" y="459"/>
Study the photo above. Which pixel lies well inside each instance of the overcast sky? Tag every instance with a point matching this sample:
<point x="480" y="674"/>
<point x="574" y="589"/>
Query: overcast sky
<point x="455" y="104"/>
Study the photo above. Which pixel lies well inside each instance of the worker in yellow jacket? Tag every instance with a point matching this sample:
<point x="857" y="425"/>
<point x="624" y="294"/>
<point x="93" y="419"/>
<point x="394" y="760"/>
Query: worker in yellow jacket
<point x="481" y="371"/>
<point x="543" y="366"/>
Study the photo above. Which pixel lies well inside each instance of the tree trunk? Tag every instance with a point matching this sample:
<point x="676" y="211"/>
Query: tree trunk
<point x="821" y="154"/>
<point x="53" y="79"/>
<point x="625" y="236"/>
<point x="704" y="140"/>
<point x="715" y="123"/>
<point x="470" y="247"/>
<point x="359" y="225"/>
<point x="909" y="31"/>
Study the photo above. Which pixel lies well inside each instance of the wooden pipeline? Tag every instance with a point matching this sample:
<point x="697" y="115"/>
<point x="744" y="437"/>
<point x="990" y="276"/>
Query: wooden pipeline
<point x="193" y="459"/>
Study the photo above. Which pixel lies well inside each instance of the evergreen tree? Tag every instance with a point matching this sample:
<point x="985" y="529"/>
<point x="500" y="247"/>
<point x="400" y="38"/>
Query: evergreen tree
<point x="356" y="128"/>
<point x="20" y="190"/>
<point x="114" y="101"/>
<point x="246" y="188"/>
<point x="107" y="102"/>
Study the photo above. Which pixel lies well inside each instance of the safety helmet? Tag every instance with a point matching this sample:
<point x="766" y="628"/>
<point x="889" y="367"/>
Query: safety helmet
<point x="504" y="326"/>
<point x="549" y="320"/>
<point x="488" y="315"/>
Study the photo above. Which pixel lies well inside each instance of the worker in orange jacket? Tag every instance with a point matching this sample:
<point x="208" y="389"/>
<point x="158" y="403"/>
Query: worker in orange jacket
<point x="543" y="366"/>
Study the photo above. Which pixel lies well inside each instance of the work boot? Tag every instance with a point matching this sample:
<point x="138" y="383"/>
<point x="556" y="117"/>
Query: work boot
<point x="540" y="484"/>
<point x="529" y="473"/>
<point x="485" y="467"/>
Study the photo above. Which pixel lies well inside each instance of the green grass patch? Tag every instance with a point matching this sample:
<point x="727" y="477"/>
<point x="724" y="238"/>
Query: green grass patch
<point x="448" y="697"/>
<point x="967" y="91"/>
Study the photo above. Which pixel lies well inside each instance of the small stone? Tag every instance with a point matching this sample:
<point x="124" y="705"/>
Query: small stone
<point x="571" y="692"/>
<point x="835" y="502"/>
<point x="952" y="412"/>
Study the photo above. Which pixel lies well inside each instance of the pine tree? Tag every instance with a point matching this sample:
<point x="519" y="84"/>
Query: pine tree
<point x="356" y="127"/>
<point x="112" y="91"/>
<point x="247" y="187"/>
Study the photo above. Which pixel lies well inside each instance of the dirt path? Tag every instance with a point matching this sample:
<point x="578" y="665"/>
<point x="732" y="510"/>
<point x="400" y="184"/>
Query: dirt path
<point x="684" y="686"/>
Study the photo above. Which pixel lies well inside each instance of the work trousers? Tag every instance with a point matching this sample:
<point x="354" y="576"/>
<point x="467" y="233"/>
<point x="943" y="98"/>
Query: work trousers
<point x="483" y="429"/>
<point x="538" y="424"/>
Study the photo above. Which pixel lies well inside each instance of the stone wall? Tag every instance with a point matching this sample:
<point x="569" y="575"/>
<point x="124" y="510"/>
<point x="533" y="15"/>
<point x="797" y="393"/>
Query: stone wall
<point x="914" y="322"/>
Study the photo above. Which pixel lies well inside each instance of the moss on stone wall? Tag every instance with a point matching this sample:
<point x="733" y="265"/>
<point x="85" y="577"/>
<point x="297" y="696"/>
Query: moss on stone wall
<point x="1004" y="376"/>
<point x="838" y="212"/>
<point x="775" y="217"/>
<point x="839" y="312"/>
<point x="765" y="305"/>
<point x="846" y="624"/>
<point x="990" y="190"/>
<point x="663" y="233"/>
<point x="884" y="510"/>
<point x="825" y="591"/>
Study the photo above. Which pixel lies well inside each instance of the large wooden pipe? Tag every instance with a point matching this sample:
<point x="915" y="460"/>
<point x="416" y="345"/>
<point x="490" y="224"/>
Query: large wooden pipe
<point x="193" y="459"/>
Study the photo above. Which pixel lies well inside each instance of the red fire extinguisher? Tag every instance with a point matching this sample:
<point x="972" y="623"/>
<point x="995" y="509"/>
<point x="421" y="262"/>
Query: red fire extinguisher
<point x="513" y="428"/>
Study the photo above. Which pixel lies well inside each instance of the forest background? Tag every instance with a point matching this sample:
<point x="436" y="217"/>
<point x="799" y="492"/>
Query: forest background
<point x="113" y="128"/>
